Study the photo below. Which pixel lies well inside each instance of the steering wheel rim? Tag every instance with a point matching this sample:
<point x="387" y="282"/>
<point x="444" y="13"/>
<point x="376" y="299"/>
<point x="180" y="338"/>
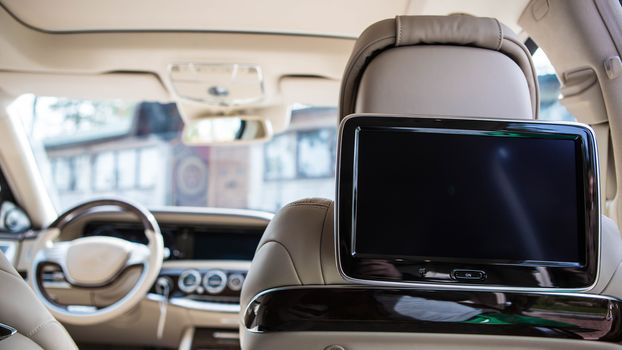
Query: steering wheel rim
<point x="47" y="251"/>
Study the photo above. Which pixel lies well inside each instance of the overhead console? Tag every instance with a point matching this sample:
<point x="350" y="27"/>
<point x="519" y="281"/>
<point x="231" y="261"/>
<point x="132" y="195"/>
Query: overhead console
<point x="468" y="203"/>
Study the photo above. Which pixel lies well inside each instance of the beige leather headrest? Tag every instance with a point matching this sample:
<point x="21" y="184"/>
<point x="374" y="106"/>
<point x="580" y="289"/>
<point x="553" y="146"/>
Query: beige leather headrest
<point x="458" y="29"/>
<point x="440" y="61"/>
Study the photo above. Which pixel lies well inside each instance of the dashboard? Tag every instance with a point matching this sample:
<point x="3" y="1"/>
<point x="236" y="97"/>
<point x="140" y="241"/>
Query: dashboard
<point x="189" y="242"/>
<point x="207" y="256"/>
<point x="217" y="288"/>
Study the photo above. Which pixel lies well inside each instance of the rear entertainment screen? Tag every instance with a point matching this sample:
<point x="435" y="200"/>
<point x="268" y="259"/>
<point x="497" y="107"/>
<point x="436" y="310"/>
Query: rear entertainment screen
<point x="473" y="197"/>
<point x="496" y="203"/>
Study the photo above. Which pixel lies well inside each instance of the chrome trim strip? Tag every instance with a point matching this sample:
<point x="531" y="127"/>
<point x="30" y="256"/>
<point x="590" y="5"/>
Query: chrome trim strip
<point x="197" y="305"/>
<point x="189" y="288"/>
<point x="205" y="306"/>
<point x="215" y="289"/>
<point x="10" y="250"/>
<point x="9" y="331"/>
<point x="427" y="288"/>
<point x="460" y="286"/>
<point x="57" y="285"/>
<point x="242" y="265"/>
<point x="227" y="335"/>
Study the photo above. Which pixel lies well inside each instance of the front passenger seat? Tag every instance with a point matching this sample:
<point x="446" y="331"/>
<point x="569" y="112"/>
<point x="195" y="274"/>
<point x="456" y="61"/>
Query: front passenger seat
<point x="21" y="310"/>
<point x="447" y="65"/>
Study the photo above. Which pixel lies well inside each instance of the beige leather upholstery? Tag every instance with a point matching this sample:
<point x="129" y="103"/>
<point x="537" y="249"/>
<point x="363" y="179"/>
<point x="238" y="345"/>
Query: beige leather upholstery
<point x="18" y="341"/>
<point x="442" y="65"/>
<point x="456" y="65"/>
<point x="20" y="309"/>
<point x="296" y="249"/>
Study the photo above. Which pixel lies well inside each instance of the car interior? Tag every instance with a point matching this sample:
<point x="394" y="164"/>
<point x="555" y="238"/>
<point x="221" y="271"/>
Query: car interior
<point x="336" y="175"/>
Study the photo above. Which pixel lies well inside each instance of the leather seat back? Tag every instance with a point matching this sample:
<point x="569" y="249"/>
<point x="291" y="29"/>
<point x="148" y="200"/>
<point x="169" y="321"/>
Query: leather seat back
<point x="297" y="249"/>
<point x="20" y="309"/>
<point x="455" y="65"/>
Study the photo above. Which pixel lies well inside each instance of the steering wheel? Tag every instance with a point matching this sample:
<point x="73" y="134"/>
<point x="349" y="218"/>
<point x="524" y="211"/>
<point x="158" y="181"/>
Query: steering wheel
<point x="96" y="262"/>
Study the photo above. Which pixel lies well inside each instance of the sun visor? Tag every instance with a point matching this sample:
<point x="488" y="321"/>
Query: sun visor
<point x="126" y="86"/>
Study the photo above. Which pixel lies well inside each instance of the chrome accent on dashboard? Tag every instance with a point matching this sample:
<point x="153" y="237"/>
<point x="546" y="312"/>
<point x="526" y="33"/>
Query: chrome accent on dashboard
<point x="205" y="305"/>
<point x="9" y="249"/>
<point x="215" y="281"/>
<point x="226" y="335"/>
<point x="56" y="285"/>
<point x="207" y="264"/>
<point x="235" y="281"/>
<point x="164" y="285"/>
<point x="189" y="286"/>
<point x="197" y="305"/>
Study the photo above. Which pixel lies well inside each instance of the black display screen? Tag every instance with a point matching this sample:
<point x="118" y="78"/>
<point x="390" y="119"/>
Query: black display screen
<point x="189" y="242"/>
<point x="467" y="196"/>
<point x="225" y="246"/>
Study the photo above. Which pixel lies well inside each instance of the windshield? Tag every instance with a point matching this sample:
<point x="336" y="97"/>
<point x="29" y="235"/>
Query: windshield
<point x="85" y="149"/>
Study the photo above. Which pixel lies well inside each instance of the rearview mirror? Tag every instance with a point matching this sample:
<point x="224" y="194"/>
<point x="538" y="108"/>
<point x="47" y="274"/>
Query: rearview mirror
<point x="226" y="130"/>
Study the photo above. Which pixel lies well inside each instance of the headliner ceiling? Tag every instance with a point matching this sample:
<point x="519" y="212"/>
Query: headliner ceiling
<point x="318" y="17"/>
<point x="57" y="51"/>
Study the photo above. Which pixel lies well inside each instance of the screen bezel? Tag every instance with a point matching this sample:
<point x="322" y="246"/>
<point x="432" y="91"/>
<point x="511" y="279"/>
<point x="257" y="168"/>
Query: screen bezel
<point x="439" y="271"/>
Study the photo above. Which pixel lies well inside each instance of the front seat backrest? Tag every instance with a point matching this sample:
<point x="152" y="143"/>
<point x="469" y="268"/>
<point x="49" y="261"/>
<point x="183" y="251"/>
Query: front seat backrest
<point x="453" y="65"/>
<point x="21" y="310"/>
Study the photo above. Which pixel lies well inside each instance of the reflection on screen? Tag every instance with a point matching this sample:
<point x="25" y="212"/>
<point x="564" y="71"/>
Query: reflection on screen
<point x="466" y="197"/>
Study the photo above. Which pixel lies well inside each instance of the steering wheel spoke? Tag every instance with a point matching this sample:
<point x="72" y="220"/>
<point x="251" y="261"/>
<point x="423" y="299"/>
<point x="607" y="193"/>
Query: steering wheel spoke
<point x="139" y="255"/>
<point x="54" y="253"/>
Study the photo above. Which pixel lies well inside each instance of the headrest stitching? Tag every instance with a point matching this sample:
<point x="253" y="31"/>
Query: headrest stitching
<point x="39" y="327"/>
<point x="500" y="34"/>
<point x="321" y="245"/>
<point x="289" y="255"/>
<point x="398" y="21"/>
<point x="359" y="61"/>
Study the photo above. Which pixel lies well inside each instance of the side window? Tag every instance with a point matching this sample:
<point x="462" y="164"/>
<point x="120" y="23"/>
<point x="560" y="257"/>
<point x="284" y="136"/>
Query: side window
<point x="12" y="218"/>
<point x="550" y="105"/>
<point x="280" y="157"/>
<point x="301" y="154"/>
<point x="316" y="153"/>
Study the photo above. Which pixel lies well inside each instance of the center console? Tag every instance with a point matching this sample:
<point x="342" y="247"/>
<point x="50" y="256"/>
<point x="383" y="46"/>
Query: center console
<point x="207" y="289"/>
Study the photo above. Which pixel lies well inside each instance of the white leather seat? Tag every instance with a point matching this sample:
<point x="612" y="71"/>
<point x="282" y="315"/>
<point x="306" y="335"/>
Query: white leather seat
<point x="454" y="65"/>
<point x="20" y="309"/>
